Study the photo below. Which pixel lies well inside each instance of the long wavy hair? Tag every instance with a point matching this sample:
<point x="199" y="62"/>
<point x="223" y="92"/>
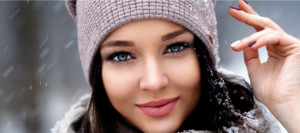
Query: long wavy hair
<point x="222" y="103"/>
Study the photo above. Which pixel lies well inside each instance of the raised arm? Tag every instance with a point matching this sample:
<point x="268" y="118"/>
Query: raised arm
<point x="276" y="82"/>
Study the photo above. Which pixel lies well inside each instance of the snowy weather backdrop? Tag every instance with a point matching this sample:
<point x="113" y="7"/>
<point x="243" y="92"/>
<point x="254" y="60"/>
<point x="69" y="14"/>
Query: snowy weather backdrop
<point x="40" y="71"/>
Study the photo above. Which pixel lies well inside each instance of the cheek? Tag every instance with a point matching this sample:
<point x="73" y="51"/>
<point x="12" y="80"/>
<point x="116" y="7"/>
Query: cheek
<point x="186" y="79"/>
<point x="186" y="73"/>
<point x="119" y="85"/>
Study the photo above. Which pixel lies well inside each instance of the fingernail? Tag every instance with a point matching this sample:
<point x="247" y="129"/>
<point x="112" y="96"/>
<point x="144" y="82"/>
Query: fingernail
<point x="246" y="1"/>
<point x="251" y="44"/>
<point x="233" y="7"/>
<point x="235" y="43"/>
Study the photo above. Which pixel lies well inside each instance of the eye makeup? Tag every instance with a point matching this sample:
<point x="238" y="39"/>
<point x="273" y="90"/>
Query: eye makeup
<point x="120" y="57"/>
<point x="125" y="56"/>
<point x="176" y="48"/>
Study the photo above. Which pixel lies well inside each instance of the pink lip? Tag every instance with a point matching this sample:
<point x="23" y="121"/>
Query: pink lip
<point x="158" y="108"/>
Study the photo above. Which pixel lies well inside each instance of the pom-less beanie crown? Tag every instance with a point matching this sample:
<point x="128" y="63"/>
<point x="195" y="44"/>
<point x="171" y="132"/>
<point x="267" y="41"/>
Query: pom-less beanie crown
<point x="96" y="19"/>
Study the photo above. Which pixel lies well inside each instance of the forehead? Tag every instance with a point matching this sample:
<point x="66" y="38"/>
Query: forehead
<point x="140" y="28"/>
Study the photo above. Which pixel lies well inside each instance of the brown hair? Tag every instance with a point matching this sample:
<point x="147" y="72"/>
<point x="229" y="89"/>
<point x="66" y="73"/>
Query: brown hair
<point x="222" y="101"/>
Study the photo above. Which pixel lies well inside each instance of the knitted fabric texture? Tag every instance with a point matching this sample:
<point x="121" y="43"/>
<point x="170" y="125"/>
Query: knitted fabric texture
<point x="96" y="19"/>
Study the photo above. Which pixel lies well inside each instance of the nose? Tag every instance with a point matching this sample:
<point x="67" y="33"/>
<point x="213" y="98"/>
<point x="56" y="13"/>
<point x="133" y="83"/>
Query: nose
<point x="154" y="76"/>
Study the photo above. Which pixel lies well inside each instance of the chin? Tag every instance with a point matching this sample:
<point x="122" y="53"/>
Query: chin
<point x="161" y="130"/>
<point x="162" y="126"/>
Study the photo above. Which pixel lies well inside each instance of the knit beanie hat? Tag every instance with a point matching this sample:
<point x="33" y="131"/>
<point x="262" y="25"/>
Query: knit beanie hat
<point x="96" y="19"/>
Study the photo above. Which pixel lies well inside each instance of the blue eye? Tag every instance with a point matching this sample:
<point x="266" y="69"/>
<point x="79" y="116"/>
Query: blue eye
<point x="121" y="56"/>
<point x="177" y="47"/>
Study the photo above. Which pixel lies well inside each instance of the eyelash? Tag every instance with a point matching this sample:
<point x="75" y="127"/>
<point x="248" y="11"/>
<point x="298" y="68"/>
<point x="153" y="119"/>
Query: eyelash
<point x="114" y="56"/>
<point x="182" y="46"/>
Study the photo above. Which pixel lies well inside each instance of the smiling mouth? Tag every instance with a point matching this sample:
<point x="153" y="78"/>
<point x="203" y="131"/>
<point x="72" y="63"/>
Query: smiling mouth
<point x="158" y="108"/>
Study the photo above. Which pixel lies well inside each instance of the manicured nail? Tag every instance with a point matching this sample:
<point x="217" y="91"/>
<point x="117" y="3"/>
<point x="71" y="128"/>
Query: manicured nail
<point x="246" y="1"/>
<point x="233" y="7"/>
<point x="235" y="43"/>
<point x="251" y="44"/>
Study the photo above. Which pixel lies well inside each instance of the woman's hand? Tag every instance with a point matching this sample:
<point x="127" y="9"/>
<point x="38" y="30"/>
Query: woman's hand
<point x="276" y="82"/>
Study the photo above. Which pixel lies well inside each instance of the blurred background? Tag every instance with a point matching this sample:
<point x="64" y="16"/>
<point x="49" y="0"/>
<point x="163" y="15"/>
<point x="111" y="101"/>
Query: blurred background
<point x="40" y="70"/>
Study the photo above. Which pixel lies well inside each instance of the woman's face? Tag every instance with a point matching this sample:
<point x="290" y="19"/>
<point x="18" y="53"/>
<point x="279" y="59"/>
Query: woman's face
<point x="151" y="74"/>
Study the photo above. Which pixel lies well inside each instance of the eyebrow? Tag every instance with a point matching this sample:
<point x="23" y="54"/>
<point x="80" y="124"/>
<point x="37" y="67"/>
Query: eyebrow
<point x="118" y="43"/>
<point x="173" y="34"/>
<point x="124" y="43"/>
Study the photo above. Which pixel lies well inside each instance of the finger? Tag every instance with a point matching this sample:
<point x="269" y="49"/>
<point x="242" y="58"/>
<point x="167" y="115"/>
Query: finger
<point x="275" y="37"/>
<point x="246" y="7"/>
<point x="255" y="21"/>
<point x="278" y="44"/>
<point x="269" y="39"/>
<point x="249" y="41"/>
<point x="251" y="58"/>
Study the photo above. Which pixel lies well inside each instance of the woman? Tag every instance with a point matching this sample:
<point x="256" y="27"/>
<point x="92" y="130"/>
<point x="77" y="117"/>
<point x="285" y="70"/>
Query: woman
<point x="151" y="66"/>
